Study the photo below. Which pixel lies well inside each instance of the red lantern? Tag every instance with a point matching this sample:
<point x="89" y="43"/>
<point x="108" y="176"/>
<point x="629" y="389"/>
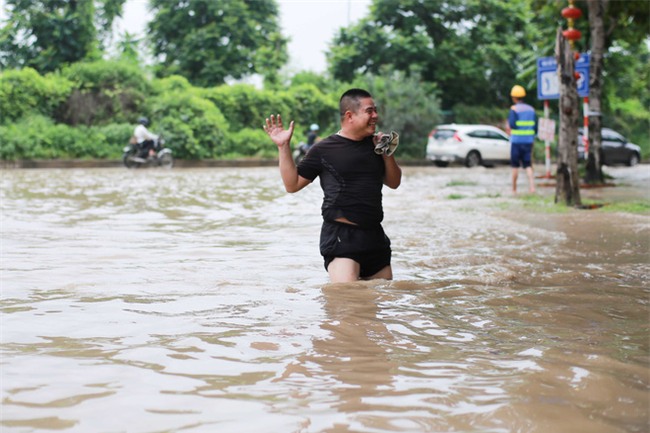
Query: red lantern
<point x="572" y="13"/>
<point x="572" y="34"/>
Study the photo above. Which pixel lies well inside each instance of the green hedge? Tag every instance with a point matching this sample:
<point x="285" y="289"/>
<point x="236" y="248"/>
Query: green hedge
<point x="89" y="110"/>
<point x="38" y="137"/>
<point x="193" y="127"/>
<point x="25" y="91"/>
<point x="252" y="143"/>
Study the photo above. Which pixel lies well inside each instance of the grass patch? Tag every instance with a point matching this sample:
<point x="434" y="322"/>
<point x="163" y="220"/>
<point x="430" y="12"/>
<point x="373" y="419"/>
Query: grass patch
<point x="636" y="207"/>
<point x="548" y="205"/>
<point x="543" y="204"/>
<point x="461" y="183"/>
<point x="486" y="195"/>
<point x="455" y="197"/>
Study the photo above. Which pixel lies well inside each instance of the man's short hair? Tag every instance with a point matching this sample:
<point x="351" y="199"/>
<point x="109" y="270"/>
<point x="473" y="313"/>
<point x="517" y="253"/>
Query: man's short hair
<point x="351" y="100"/>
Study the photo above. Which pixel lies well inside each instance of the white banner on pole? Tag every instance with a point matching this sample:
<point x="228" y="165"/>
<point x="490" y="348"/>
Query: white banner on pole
<point x="546" y="129"/>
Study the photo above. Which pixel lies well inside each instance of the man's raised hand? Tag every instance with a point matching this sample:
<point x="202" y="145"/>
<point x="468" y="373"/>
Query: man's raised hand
<point x="275" y="130"/>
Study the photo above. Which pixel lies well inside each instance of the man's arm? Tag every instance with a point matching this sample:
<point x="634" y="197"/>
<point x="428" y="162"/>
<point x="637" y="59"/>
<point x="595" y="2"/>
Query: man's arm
<point x="393" y="173"/>
<point x="293" y="182"/>
<point x="512" y="119"/>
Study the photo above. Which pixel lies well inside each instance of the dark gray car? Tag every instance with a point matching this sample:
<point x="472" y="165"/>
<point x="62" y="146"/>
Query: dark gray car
<point x="615" y="149"/>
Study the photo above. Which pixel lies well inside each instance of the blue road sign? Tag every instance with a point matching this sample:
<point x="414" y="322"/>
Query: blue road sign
<point x="548" y="86"/>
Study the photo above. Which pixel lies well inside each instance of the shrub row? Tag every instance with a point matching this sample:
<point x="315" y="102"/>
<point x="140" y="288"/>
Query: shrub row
<point x="89" y="110"/>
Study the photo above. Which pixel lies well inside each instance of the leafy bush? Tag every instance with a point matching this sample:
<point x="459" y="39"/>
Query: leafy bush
<point x="252" y="142"/>
<point x="105" y="92"/>
<point x="173" y="83"/>
<point x="245" y="106"/>
<point x="107" y="75"/>
<point x="23" y="91"/>
<point x="310" y="105"/>
<point x="37" y="137"/>
<point x="193" y="127"/>
<point x="116" y="136"/>
<point x="631" y="119"/>
<point x="406" y="105"/>
<point x="463" y="113"/>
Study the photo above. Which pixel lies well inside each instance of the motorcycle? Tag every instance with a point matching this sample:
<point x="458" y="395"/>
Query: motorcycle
<point x="161" y="156"/>
<point x="300" y="152"/>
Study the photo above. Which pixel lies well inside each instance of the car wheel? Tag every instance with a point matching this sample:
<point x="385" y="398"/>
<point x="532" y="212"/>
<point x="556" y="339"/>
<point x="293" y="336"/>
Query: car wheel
<point x="473" y="159"/>
<point x="441" y="163"/>
<point x="634" y="160"/>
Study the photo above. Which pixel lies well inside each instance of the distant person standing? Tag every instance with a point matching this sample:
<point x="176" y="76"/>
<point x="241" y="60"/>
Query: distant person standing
<point x="522" y="121"/>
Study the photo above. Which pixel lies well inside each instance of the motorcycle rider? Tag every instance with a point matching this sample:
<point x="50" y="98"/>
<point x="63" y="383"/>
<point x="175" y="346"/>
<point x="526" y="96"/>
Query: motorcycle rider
<point x="312" y="135"/>
<point x="146" y="141"/>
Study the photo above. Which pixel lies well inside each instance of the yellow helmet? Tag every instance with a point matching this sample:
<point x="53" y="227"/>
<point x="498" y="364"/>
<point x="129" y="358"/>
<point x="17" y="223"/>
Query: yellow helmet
<point x="518" y="92"/>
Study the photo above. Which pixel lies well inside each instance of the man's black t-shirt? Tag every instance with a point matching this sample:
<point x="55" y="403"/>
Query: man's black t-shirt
<point x="351" y="176"/>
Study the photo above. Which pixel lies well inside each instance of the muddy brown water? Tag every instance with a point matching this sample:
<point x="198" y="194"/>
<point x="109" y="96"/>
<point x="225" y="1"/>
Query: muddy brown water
<point x="195" y="300"/>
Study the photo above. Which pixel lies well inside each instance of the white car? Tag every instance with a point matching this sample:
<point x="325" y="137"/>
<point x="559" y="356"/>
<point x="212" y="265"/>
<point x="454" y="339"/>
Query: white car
<point x="471" y="145"/>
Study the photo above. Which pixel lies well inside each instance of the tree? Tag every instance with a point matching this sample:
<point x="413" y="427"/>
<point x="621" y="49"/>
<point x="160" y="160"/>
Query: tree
<point x="597" y="10"/>
<point x="128" y="47"/>
<point x="48" y="34"/>
<point x="628" y="20"/>
<point x="567" y="188"/>
<point x="210" y="41"/>
<point x="406" y="105"/>
<point x="471" y="48"/>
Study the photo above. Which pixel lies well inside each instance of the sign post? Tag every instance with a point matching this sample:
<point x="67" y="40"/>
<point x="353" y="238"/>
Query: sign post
<point x="546" y="132"/>
<point x="548" y="87"/>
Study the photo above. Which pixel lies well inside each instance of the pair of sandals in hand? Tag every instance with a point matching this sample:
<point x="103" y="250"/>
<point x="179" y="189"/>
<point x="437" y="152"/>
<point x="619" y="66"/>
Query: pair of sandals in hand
<point x="386" y="143"/>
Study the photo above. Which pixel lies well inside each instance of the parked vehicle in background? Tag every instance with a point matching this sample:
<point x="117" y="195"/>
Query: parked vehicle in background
<point x="615" y="149"/>
<point x="471" y="145"/>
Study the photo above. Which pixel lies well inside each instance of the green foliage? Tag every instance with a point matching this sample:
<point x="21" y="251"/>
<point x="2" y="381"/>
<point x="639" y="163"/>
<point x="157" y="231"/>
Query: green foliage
<point x="470" y="48"/>
<point x="107" y="74"/>
<point x="173" y="83"/>
<point x="210" y="41"/>
<point x="115" y="137"/>
<point x="635" y="207"/>
<point x="414" y="56"/>
<point x="308" y="77"/>
<point x="24" y="91"/>
<point x="106" y="13"/>
<point x="37" y="137"/>
<point x="105" y="92"/>
<point x="406" y="105"/>
<point x="463" y="113"/>
<point x="251" y="142"/>
<point x="193" y="127"/>
<point x="627" y="95"/>
<point x="128" y="48"/>
<point x="47" y="34"/>
<point x="309" y="105"/>
<point x="245" y="106"/>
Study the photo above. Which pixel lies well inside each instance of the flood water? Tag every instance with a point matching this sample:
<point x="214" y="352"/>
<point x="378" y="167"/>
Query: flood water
<point x="195" y="300"/>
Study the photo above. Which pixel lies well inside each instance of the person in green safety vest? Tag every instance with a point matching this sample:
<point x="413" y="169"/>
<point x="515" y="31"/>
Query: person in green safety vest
<point x="523" y="128"/>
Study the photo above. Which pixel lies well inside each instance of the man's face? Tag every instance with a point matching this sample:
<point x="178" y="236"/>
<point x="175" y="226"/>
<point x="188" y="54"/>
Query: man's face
<point x="365" y="119"/>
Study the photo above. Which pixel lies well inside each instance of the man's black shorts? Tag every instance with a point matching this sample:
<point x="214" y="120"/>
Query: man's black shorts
<point x="370" y="247"/>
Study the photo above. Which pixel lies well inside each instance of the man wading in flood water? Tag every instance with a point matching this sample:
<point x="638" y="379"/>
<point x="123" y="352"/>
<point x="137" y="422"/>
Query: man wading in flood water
<point x="353" y="165"/>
